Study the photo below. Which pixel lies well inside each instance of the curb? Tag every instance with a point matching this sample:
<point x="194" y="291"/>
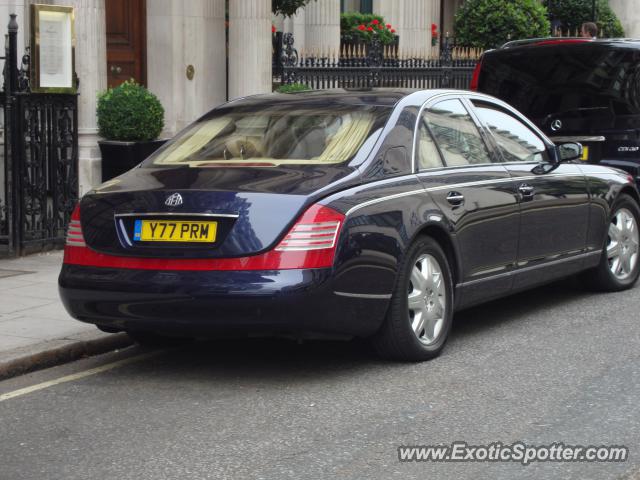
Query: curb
<point x="56" y="352"/>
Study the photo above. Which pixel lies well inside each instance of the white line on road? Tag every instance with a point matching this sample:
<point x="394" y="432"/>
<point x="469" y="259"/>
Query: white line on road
<point x="77" y="376"/>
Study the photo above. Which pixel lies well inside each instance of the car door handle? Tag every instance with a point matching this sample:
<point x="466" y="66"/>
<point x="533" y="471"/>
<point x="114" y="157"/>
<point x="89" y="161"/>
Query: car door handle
<point x="455" y="198"/>
<point x="526" y="190"/>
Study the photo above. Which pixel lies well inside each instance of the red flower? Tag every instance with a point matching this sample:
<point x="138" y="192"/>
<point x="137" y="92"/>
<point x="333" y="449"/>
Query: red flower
<point x="380" y="27"/>
<point x="361" y="27"/>
<point x="369" y="29"/>
<point x="393" y="30"/>
<point x="375" y="22"/>
<point x="388" y="25"/>
<point x="434" y="26"/>
<point x="273" y="29"/>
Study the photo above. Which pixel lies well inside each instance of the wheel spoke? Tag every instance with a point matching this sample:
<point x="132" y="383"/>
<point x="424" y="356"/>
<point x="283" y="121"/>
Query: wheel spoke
<point x="417" y="280"/>
<point x="613" y="250"/>
<point x="418" y="323"/>
<point x="614" y="232"/>
<point x="416" y="301"/>
<point x="626" y="263"/>
<point x="425" y="271"/>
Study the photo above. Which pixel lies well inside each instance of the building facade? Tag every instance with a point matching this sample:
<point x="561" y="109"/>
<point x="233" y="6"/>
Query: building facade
<point x="178" y="48"/>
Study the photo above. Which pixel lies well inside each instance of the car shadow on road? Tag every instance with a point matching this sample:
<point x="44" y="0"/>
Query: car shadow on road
<point x="277" y="357"/>
<point x="515" y="307"/>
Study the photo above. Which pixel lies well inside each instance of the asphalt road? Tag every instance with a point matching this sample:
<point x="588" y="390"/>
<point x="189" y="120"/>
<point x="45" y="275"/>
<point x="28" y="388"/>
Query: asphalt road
<point x="552" y="365"/>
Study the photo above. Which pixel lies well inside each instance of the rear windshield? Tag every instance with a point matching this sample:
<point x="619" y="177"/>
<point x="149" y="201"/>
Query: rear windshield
<point x="273" y="136"/>
<point x="588" y="80"/>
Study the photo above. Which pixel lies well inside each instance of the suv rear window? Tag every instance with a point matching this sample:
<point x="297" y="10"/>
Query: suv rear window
<point x="272" y="136"/>
<point x="586" y="79"/>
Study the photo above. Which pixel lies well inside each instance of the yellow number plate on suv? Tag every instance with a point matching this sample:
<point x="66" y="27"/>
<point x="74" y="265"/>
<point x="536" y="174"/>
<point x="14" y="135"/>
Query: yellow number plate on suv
<point x="174" y="231"/>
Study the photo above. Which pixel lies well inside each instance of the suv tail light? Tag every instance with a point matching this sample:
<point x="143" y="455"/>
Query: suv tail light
<point x="475" y="79"/>
<point x="310" y="243"/>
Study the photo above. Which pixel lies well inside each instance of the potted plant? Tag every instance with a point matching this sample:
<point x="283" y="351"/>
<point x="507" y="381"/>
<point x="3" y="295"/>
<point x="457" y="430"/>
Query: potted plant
<point x="130" y="118"/>
<point x="358" y="29"/>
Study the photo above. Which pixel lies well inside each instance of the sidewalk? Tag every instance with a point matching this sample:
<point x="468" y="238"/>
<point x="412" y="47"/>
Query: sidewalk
<point x="35" y="329"/>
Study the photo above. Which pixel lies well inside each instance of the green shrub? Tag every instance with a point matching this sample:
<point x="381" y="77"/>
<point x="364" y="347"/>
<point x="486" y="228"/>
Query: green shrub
<point x="366" y="26"/>
<point x="490" y="23"/>
<point x="129" y="112"/>
<point x="293" y="88"/>
<point x="573" y="13"/>
<point x="287" y="7"/>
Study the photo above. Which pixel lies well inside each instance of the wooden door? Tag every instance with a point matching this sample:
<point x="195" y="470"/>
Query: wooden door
<point x="126" y="41"/>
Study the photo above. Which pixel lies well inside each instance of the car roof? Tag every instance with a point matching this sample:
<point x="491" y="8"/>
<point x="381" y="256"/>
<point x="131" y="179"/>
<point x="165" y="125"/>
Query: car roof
<point x="569" y="42"/>
<point x="386" y="97"/>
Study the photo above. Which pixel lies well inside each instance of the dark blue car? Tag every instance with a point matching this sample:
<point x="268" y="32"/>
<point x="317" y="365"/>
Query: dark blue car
<point x="345" y="213"/>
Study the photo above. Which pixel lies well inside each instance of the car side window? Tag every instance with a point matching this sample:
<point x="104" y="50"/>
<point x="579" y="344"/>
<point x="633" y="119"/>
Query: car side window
<point x="516" y="141"/>
<point x="428" y="155"/>
<point x="456" y="134"/>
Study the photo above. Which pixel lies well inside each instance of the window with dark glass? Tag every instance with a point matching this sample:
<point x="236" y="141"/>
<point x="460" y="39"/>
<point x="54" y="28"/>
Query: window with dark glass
<point x="456" y="134"/>
<point x="517" y="142"/>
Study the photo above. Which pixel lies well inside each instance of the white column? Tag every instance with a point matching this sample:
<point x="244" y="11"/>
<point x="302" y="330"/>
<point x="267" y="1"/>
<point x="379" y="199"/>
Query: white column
<point x="391" y="11"/>
<point x="629" y="15"/>
<point x="415" y="29"/>
<point x="179" y="35"/>
<point x="249" y="47"/>
<point x="435" y="14"/>
<point x="353" y="5"/>
<point x="91" y="67"/>
<point x="323" y="25"/>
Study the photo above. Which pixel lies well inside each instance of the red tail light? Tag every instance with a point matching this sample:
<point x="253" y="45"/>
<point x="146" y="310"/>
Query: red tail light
<point x="310" y="243"/>
<point x="74" y="231"/>
<point x="317" y="229"/>
<point x="475" y="79"/>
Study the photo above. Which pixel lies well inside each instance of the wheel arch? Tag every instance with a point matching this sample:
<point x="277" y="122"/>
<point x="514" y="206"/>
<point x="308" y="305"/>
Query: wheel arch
<point x="446" y="242"/>
<point x="632" y="192"/>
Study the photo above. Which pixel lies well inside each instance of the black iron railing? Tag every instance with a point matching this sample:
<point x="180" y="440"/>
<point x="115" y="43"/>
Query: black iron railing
<point x="377" y="66"/>
<point x="39" y="167"/>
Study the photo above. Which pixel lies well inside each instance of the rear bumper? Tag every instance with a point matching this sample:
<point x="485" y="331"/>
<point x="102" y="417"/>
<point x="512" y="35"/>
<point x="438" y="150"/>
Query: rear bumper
<point x="201" y="303"/>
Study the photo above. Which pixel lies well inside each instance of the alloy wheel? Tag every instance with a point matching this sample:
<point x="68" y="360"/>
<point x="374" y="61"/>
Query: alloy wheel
<point x="623" y="242"/>
<point x="427" y="299"/>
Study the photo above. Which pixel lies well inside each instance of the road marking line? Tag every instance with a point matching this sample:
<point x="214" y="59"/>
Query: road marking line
<point x="76" y="376"/>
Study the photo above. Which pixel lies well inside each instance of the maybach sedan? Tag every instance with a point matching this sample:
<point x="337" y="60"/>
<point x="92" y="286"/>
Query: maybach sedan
<point x="374" y="214"/>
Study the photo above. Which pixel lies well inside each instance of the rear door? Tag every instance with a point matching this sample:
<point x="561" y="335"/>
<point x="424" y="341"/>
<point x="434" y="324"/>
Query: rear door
<point x="554" y="202"/>
<point x="476" y="194"/>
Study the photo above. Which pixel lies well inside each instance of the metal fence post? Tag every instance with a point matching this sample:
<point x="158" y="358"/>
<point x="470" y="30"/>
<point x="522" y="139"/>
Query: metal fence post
<point x="288" y="59"/>
<point x="446" y="59"/>
<point x="13" y="155"/>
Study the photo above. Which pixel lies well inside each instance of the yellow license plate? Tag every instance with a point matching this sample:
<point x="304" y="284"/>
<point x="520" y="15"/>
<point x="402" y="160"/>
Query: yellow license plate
<point x="585" y="154"/>
<point x="174" y="231"/>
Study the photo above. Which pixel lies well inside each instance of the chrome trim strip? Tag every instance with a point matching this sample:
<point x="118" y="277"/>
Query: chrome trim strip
<point x="369" y="296"/>
<point x="598" y="138"/>
<point x="581" y="256"/>
<point x="382" y="199"/>
<point x="458" y="185"/>
<point x="176" y="214"/>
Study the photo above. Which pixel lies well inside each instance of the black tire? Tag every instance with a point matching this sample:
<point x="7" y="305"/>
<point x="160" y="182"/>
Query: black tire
<point x="602" y="278"/>
<point x="396" y="338"/>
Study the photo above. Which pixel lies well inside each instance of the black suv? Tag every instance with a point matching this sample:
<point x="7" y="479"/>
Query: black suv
<point x="575" y="90"/>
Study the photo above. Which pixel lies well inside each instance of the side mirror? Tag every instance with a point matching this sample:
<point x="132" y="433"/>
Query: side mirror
<point x="569" y="151"/>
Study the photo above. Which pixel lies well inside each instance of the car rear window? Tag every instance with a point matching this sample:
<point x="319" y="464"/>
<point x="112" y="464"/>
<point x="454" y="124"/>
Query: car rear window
<point x="272" y="136"/>
<point x="586" y="80"/>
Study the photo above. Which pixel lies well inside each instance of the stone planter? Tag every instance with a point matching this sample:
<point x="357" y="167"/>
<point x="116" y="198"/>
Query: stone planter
<point x="120" y="157"/>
